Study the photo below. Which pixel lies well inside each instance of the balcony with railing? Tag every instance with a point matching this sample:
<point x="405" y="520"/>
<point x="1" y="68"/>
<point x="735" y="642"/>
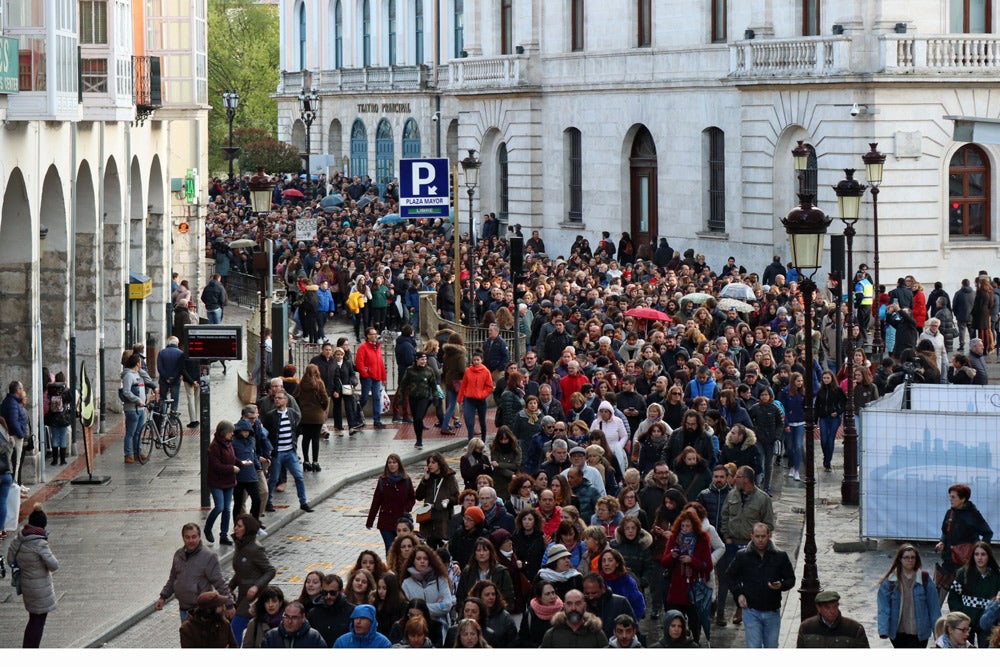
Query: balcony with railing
<point x="374" y="79"/>
<point x="148" y="92"/>
<point x="802" y="56"/>
<point x="488" y="72"/>
<point x="956" y="54"/>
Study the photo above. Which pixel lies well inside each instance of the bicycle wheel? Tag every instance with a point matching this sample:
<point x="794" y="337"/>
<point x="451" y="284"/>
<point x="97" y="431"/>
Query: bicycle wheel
<point x="173" y="436"/>
<point x="146" y="441"/>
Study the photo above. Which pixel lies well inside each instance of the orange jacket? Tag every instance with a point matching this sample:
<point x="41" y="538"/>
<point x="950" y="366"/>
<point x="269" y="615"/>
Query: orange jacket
<point x="476" y="383"/>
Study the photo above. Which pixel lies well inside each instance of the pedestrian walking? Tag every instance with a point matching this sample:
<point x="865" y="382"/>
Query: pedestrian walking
<point x="758" y="575"/>
<point x="31" y="553"/>
<point x="829" y="628"/>
<point x="194" y="570"/>
<point x="252" y="571"/>
<point x="314" y="402"/>
<point x="907" y="601"/>
<point x="419" y="385"/>
<point x="393" y="498"/>
<point x="206" y="626"/>
<point x="223" y="468"/>
<point x="133" y="397"/>
<point x="371" y="368"/>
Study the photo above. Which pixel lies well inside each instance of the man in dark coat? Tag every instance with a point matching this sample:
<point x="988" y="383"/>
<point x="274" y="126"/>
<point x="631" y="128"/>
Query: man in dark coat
<point x="406" y="354"/>
<point x="775" y="268"/>
<point x="962" y="308"/>
<point x="757" y="576"/>
<point x="829" y="628"/>
<point x="906" y="328"/>
<point x="604" y="604"/>
<point x="902" y="295"/>
<point x="170" y="368"/>
<point x="331" y="612"/>
<point x="294" y="631"/>
<point x="664" y="253"/>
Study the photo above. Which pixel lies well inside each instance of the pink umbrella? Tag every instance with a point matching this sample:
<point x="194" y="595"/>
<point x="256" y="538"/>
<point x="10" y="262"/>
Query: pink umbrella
<point x="648" y="314"/>
<point x="292" y="192"/>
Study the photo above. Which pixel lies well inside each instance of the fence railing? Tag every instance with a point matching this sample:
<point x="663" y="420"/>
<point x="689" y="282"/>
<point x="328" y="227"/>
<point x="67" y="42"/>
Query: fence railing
<point x="474" y="337"/>
<point x="941" y="53"/>
<point x="828" y="54"/>
<point x="243" y="289"/>
<point x="303" y="353"/>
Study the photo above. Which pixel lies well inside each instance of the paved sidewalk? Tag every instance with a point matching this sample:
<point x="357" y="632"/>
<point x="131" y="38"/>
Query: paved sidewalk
<point x="115" y="542"/>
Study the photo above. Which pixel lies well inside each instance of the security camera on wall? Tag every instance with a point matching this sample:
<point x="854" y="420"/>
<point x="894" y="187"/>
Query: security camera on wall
<point x="436" y="116"/>
<point x="855" y="110"/>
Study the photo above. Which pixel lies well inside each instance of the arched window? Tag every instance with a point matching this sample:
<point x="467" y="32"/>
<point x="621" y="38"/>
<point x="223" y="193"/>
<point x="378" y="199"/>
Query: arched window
<point x="338" y="35"/>
<point x="302" y="36"/>
<point x="411" y="139"/>
<point x="971" y="16"/>
<point x="392" y="32"/>
<point x="418" y="31"/>
<point x="359" y="149"/>
<point x="810" y="179"/>
<point x="458" y="18"/>
<point x="645" y="22"/>
<point x="576" y="23"/>
<point x="969" y="192"/>
<point x="573" y="147"/>
<point x="506" y="27"/>
<point x="503" y="179"/>
<point x="715" y="166"/>
<point x="334" y="139"/>
<point x="366" y="33"/>
<point x="384" y="162"/>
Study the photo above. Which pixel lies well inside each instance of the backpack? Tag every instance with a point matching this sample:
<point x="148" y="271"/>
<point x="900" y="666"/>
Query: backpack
<point x="56" y="404"/>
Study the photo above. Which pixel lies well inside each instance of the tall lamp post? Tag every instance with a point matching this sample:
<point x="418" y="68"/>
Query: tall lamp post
<point x="308" y="106"/>
<point x="849" y="193"/>
<point x="806" y="227"/>
<point x="874" y="162"/>
<point x="470" y="167"/>
<point x="231" y="100"/>
<point x="260" y="199"/>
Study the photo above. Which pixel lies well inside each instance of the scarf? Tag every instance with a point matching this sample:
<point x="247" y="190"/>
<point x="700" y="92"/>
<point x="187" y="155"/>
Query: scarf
<point x="274" y="619"/>
<point x="685" y="543"/>
<point x="546" y="612"/>
<point x="492" y="513"/>
<point x="533" y="416"/>
<point x="553" y="577"/>
<point x="395" y="478"/>
<point x="421" y="576"/>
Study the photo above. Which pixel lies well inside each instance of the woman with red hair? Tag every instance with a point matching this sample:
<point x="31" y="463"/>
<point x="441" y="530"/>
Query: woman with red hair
<point x="688" y="559"/>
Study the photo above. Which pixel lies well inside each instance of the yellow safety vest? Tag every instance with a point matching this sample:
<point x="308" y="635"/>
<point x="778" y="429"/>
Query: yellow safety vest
<point x="868" y="292"/>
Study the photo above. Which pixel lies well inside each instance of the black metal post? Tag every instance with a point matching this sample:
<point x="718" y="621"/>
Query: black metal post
<point x="877" y="344"/>
<point x="474" y="316"/>
<point x="810" y="576"/>
<point x="205" y="417"/>
<point x="262" y="352"/>
<point x="230" y="115"/>
<point x="849" y="490"/>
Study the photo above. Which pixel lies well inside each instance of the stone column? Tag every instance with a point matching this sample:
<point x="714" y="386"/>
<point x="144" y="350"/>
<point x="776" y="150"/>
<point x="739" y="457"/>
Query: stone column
<point x="87" y="306"/>
<point x="113" y="302"/>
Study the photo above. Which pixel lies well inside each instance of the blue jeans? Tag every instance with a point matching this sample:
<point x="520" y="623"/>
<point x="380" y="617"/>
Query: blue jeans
<point x="6" y="481"/>
<point x="222" y="503"/>
<point x="174" y="390"/>
<point x="472" y="407"/>
<point x="60" y="435"/>
<point x="134" y="419"/>
<point x="290" y="461"/>
<point x="793" y="445"/>
<point x="761" y="628"/>
<point x="388" y="537"/>
<point x="239" y="625"/>
<point x="451" y="402"/>
<point x="375" y="388"/>
<point x="215" y="316"/>
<point x="827" y="437"/>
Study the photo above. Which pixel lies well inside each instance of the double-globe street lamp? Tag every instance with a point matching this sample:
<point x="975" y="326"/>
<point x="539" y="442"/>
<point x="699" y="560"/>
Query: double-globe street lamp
<point x="470" y="167"/>
<point x="849" y="192"/>
<point x="874" y="162"/>
<point x="806" y="226"/>
<point x="308" y="107"/>
<point x="260" y="200"/>
<point x="231" y="100"/>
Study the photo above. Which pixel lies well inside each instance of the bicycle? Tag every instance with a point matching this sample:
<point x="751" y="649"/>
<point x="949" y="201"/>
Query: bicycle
<point x="162" y="429"/>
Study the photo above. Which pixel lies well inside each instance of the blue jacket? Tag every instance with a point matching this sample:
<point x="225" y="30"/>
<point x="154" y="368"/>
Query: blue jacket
<point x="795" y="411"/>
<point x="325" y="300"/>
<point x="372" y="639"/>
<point x="626" y="587"/>
<point x="925" y="601"/>
<point x="14" y="414"/>
<point x="495" y="354"/>
<point x="245" y="449"/>
<point x="406" y="352"/>
<point x="170" y="363"/>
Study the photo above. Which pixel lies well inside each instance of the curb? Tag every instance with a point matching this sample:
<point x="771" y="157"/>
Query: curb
<point x="415" y="455"/>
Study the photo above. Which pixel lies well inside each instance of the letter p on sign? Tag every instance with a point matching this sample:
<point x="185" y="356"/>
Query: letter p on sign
<point x="423" y="174"/>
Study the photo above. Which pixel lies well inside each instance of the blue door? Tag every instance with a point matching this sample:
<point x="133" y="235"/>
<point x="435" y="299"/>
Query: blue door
<point x="359" y="149"/>
<point x="384" y="166"/>
<point x="411" y="139"/>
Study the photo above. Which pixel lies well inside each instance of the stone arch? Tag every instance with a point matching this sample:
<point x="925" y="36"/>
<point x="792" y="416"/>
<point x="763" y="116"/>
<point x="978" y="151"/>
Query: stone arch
<point x="114" y="276"/>
<point x="489" y="178"/>
<point x="157" y="248"/>
<point x="640" y="184"/>
<point x="335" y="142"/>
<point x="136" y="263"/>
<point x="85" y="279"/>
<point x="299" y="135"/>
<point x="451" y="141"/>
<point x="17" y="335"/>
<point x="785" y="185"/>
<point x="52" y="276"/>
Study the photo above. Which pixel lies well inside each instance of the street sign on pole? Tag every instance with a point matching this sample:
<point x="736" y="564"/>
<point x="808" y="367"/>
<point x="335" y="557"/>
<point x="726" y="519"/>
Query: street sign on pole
<point x="423" y="188"/>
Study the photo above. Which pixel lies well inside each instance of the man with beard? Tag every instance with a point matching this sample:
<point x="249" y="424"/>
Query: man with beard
<point x="574" y="626"/>
<point x="691" y="434"/>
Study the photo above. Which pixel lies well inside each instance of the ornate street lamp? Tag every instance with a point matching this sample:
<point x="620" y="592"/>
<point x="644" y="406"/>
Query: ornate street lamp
<point x="231" y="100"/>
<point x="874" y="163"/>
<point x="470" y="167"/>
<point x="260" y="198"/>
<point x="849" y="193"/>
<point x="806" y="226"/>
<point x="308" y="108"/>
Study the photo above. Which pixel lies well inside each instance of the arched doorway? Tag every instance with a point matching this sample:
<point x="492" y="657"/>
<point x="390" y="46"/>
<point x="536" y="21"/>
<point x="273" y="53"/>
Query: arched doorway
<point x="299" y="136"/>
<point x="335" y="142"/>
<point x="157" y="260"/>
<point x="411" y="139"/>
<point x="17" y="301"/>
<point x="642" y="188"/>
<point x="359" y="149"/>
<point x="86" y="269"/>
<point x="52" y="275"/>
<point x="114" y="279"/>
<point x="383" y="154"/>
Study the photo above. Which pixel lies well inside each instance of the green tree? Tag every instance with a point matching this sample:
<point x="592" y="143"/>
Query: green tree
<point x="242" y="56"/>
<point x="261" y="149"/>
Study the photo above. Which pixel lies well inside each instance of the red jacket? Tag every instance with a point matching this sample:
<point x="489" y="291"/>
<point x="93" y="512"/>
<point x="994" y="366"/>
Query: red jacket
<point x="390" y="501"/>
<point x="368" y="361"/>
<point x="476" y="383"/>
<point x="549" y="527"/>
<point x="570" y="384"/>
<point x="682" y="575"/>
<point x="920" y="308"/>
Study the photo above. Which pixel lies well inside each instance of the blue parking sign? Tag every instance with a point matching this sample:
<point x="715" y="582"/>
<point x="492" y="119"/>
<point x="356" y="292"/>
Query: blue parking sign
<point x="423" y="188"/>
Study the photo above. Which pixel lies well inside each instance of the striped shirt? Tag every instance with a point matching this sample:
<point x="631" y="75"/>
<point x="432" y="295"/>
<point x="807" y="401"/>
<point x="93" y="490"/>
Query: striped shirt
<point x="286" y="439"/>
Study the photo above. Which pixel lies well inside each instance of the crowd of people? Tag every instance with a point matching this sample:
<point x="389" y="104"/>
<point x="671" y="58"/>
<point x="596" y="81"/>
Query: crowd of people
<point x="630" y="466"/>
